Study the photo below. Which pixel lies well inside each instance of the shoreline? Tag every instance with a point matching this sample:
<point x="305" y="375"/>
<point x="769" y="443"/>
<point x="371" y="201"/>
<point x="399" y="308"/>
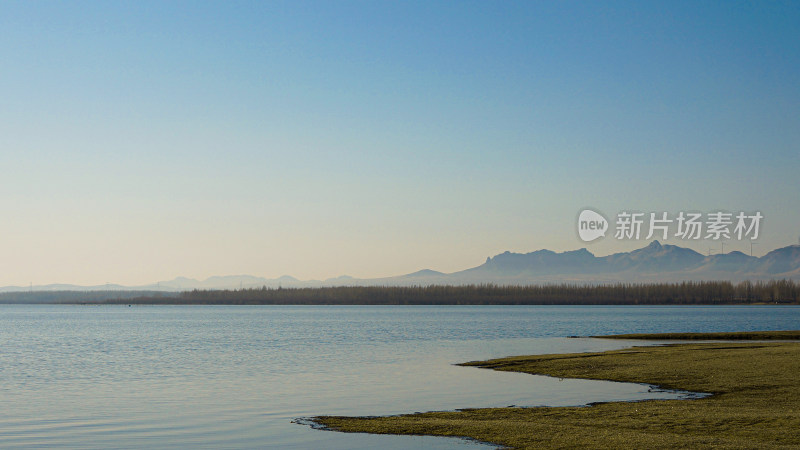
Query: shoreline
<point x="778" y="335"/>
<point x="755" y="399"/>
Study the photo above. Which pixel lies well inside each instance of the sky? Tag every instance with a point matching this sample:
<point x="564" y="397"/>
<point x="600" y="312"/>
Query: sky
<point x="144" y="140"/>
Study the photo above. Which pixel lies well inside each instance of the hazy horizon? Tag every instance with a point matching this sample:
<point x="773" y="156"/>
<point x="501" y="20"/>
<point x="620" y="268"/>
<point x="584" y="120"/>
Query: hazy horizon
<point x="143" y="141"/>
<point x="422" y="277"/>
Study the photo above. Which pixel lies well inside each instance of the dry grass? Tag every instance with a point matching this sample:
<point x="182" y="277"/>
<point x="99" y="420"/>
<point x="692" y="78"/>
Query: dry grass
<point x="756" y="402"/>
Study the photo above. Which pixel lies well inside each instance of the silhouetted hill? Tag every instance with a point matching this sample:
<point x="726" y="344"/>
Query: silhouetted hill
<point x="782" y="260"/>
<point x="541" y="262"/>
<point x="424" y="273"/>
<point x="654" y="257"/>
<point x="653" y="263"/>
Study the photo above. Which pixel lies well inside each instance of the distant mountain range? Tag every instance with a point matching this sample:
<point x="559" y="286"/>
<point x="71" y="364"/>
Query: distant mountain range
<point x="654" y="263"/>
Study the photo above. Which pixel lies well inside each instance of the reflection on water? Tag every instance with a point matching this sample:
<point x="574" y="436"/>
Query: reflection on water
<point x="236" y="377"/>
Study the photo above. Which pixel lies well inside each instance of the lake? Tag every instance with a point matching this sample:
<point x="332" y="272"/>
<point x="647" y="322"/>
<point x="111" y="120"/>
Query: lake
<point x="236" y="376"/>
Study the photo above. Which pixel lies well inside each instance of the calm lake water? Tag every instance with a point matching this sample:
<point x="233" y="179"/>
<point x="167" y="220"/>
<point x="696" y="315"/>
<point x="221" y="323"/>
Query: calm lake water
<point x="236" y="376"/>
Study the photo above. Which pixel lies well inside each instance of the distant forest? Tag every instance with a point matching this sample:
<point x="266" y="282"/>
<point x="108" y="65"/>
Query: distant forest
<point x="686" y="293"/>
<point x="77" y="296"/>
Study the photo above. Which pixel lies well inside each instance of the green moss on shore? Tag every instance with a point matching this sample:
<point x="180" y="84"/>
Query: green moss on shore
<point x="756" y="402"/>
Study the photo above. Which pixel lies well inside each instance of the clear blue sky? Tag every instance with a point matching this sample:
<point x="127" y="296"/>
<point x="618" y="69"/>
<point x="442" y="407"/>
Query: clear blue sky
<point x="143" y="140"/>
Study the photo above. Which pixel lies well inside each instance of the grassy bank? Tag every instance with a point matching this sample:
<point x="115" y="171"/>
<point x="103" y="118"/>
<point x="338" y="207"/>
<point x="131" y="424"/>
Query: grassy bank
<point x="756" y="401"/>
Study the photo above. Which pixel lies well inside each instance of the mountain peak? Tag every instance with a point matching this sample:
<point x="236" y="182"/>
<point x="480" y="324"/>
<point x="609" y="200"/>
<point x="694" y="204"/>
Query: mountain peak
<point x="424" y="273"/>
<point x="580" y="251"/>
<point x="655" y="245"/>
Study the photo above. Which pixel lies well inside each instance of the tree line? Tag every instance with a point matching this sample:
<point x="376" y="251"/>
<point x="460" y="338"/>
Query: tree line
<point x="63" y="296"/>
<point x="684" y="293"/>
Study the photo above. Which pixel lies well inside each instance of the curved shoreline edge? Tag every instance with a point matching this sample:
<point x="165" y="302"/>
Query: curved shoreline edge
<point x="755" y="401"/>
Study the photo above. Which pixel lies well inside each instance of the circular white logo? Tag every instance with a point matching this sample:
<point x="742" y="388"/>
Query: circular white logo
<point x="591" y="225"/>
